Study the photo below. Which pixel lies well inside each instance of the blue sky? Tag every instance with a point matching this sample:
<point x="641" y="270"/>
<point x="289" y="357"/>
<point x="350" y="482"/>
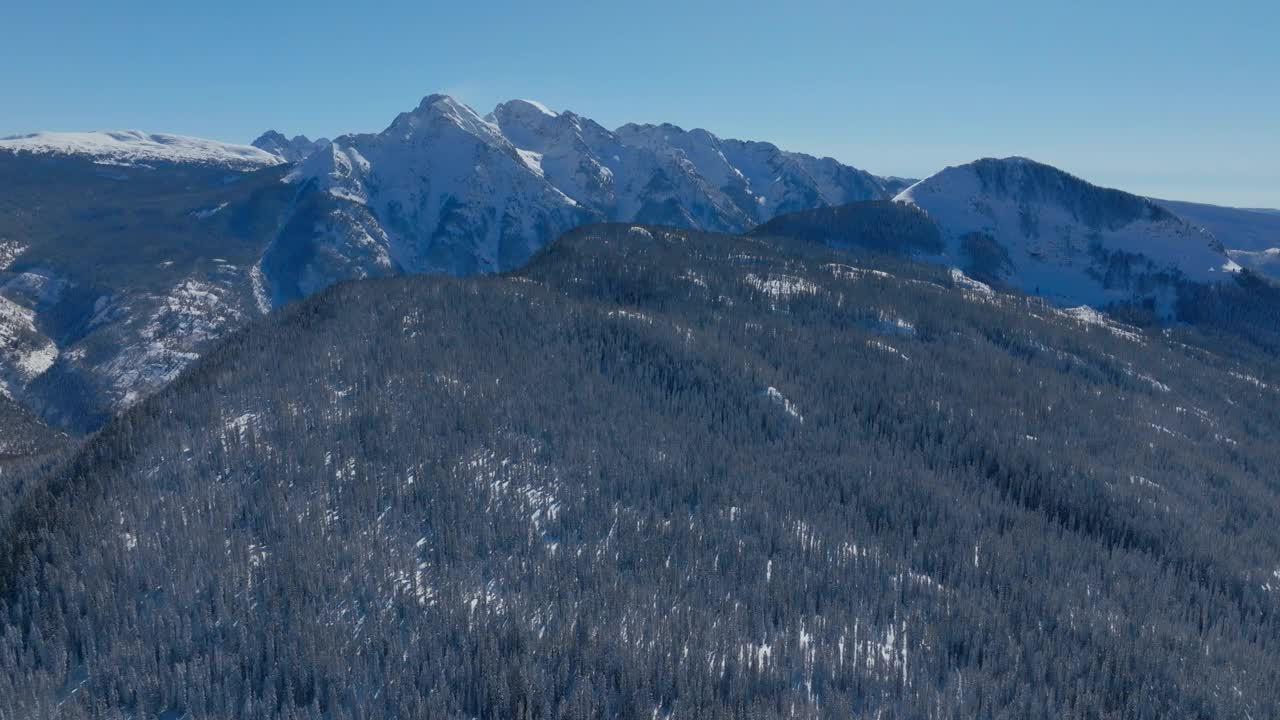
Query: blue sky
<point x="1178" y="99"/>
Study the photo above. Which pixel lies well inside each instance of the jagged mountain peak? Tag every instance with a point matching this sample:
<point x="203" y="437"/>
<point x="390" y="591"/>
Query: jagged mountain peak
<point x="437" y="109"/>
<point x="293" y="150"/>
<point x="443" y="156"/>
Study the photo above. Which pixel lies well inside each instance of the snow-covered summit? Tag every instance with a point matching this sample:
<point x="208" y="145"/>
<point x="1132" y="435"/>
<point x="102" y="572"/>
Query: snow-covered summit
<point x="136" y="148"/>
<point x="446" y="189"/>
<point x="1036" y="227"/>
<point x="441" y="189"/>
<point x="437" y="108"/>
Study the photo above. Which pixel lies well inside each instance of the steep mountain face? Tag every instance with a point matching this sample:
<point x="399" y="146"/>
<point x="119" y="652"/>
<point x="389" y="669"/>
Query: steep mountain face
<point x="440" y="190"/>
<point x="446" y="190"/>
<point x="762" y="180"/>
<point x="616" y="179"/>
<point x="135" y="148"/>
<point x="113" y="278"/>
<point x="661" y="472"/>
<point x="1251" y="237"/>
<point x="1034" y="227"/>
<point x="289" y="150"/>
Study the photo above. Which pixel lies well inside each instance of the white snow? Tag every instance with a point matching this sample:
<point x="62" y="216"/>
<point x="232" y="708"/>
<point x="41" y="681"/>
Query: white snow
<point x="970" y="285"/>
<point x="789" y="407"/>
<point x="533" y="160"/>
<point x="170" y="330"/>
<point x="205" y="213"/>
<point x="1249" y="379"/>
<point x="887" y="323"/>
<point x="849" y="272"/>
<point x="258" y="281"/>
<point x="1088" y="316"/>
<point x="9" y="251"/>
<point x="1049" y="246"/>
<point x="694" y="278"/>
<point x="885" y="347"/>
<point x="25" y="353"/>
<point x="136" y="148"/>
<point x="540" y="107"/>
<point x="781" y="286"/>
<point x="629" y="315"/>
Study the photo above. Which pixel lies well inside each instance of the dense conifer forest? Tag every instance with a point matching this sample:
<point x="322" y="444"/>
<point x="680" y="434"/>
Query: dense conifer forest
<point x="667" y="474"/>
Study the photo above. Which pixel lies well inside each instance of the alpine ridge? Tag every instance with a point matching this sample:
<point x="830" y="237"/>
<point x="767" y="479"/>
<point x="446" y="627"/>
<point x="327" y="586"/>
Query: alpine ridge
<point x="1031" y="226"/>
<point x="288" y="149"/>
<point x="125" y="255"/>
<point x="444" y="189"/>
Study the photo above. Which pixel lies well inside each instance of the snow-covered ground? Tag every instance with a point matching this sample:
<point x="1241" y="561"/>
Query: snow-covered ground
<point x="25" y="353"/>
<point x="1066" y="240"/>
<point x="133" y="148"/>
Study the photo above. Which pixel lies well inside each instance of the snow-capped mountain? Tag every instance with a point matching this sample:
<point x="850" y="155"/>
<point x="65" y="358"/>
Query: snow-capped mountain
<point x="1037" y="228"/>
<point x="440" y="190"/>
<point x="445" y="189"/>
<point x="144" y="250"/>
<point x="86" y="330"/>
<point x="292" y="149"/>
<point x="617" y="180"/>
<point x="132" y="147"/>
<point x="762" y="180"/>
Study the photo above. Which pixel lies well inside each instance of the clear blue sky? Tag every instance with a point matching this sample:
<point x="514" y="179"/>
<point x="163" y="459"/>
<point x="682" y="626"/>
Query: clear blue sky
<point x="1178" y="99"/>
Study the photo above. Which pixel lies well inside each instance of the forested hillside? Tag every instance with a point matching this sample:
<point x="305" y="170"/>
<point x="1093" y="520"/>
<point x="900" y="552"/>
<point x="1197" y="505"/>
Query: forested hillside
<point x="113" y="278"/>
<point x="21" y="434"/>
<point x="661" y="473"/>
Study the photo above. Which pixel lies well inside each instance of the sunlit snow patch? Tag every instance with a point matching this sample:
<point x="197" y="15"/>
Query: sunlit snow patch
<point x="205" y="213"/>
<point x="970" y="285"/>
<point x="1086" y="315"/>
<point x="789" y="407"/>
<point x="781" y="286"/>
<point x="9" y="251"/>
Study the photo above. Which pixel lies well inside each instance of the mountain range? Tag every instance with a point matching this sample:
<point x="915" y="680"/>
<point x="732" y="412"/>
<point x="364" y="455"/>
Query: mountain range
<point x="515" y="416"/>
<point x="124" y="255"/>
<point x="667" y="473"/>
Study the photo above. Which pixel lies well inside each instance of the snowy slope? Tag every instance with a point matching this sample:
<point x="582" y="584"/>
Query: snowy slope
<point x="1252" y="237"/>
<point x="440" y="190"/>
<point x="443" y="189"/>
<point x="615" y="179"/>
<point x="134" y="148"/>
<point x="761" y="179"/>
<point x="1044" y="231"/>
<point x="25" y="353"/>
<point x="526" y="151"/>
